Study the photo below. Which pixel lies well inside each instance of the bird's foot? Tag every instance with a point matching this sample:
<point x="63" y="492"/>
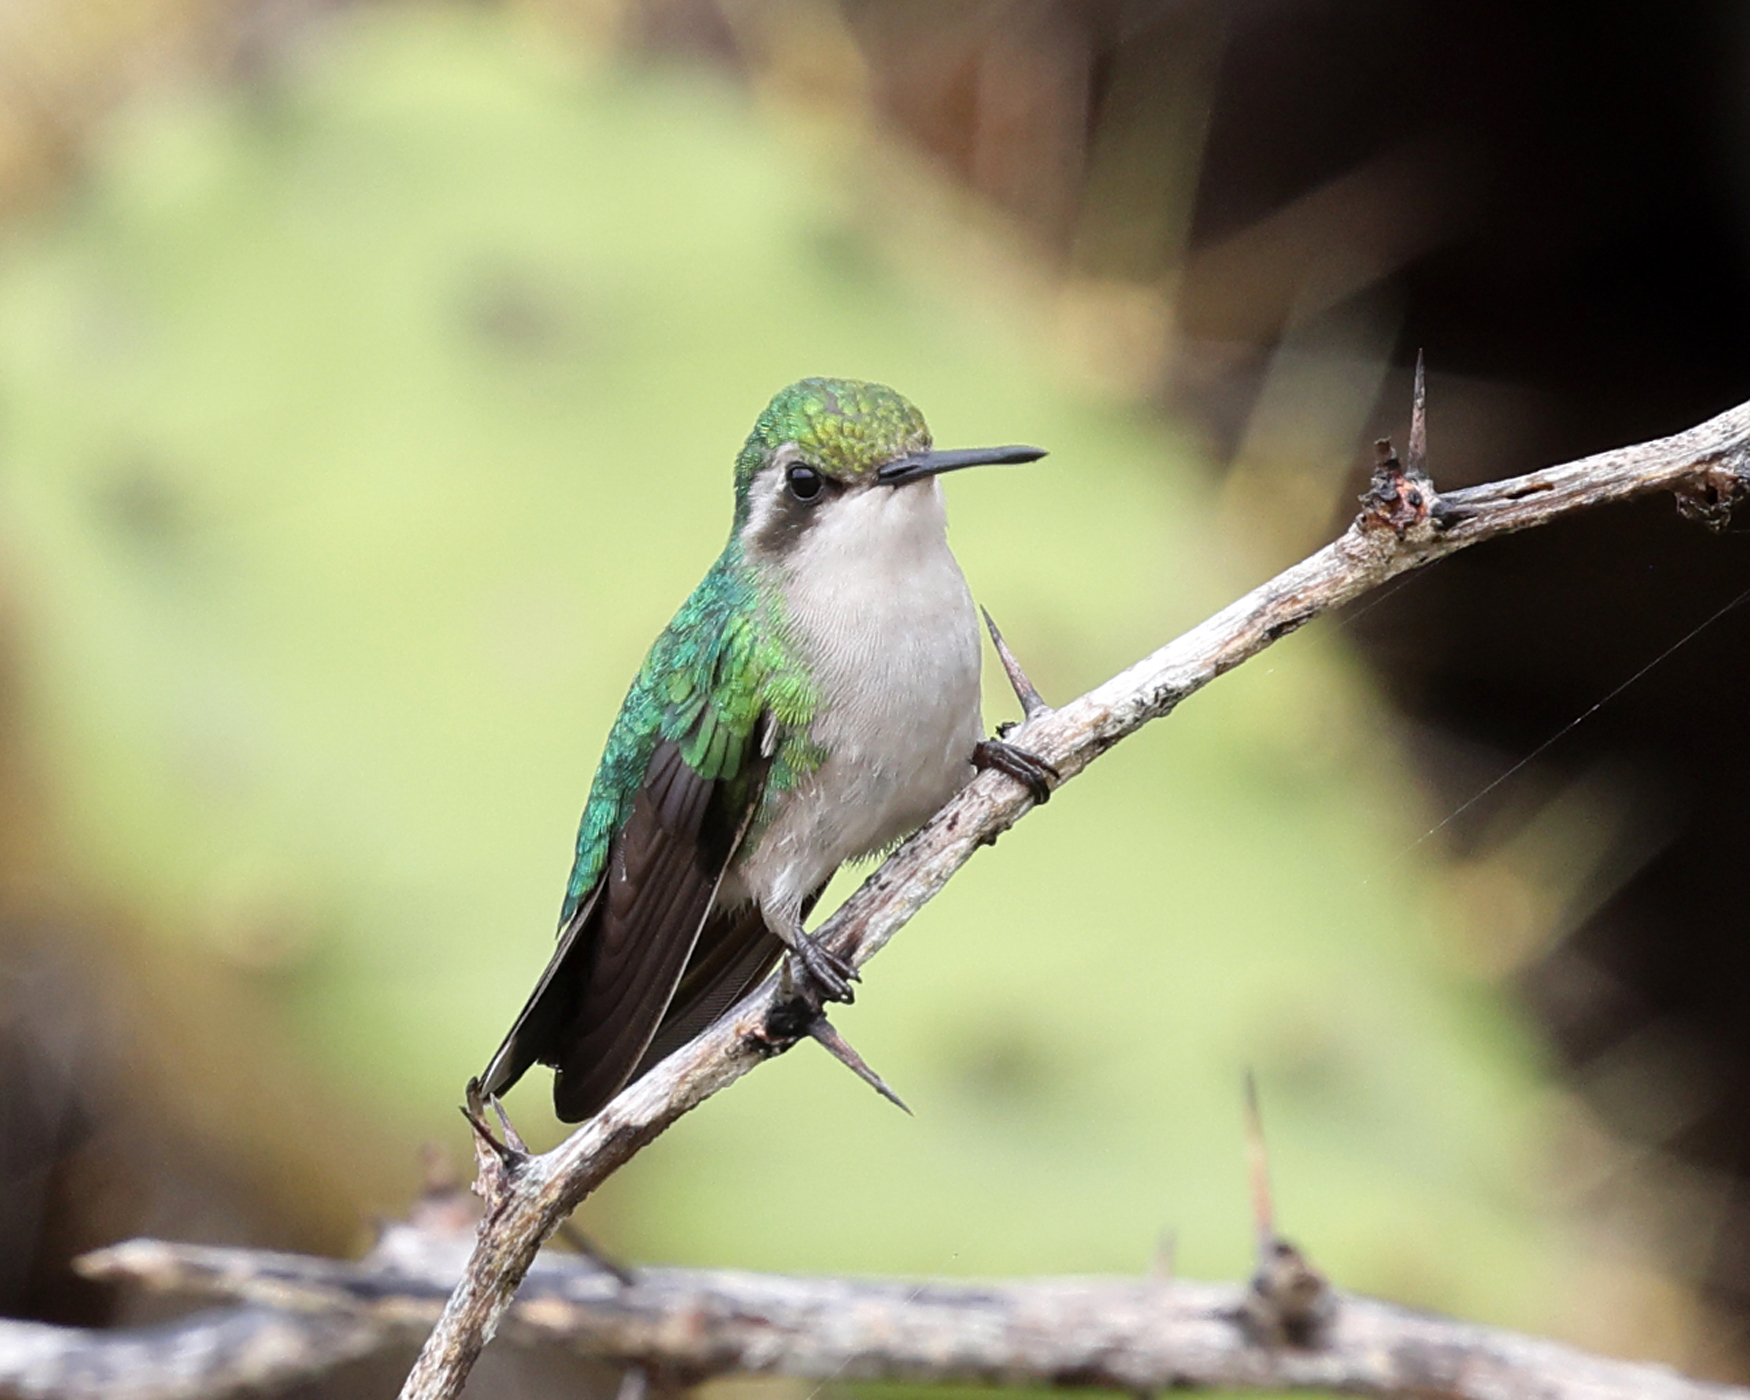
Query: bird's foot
<point x="818" y="975"/>
<point x="1031" y="771"/>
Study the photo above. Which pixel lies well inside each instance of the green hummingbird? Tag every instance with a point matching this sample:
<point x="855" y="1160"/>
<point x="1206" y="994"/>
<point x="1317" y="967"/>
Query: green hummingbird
<point x="814" y="701"/>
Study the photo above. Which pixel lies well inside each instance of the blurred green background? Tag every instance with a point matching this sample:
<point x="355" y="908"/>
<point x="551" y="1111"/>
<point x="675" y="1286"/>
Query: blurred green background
<point x="362" y="423"/>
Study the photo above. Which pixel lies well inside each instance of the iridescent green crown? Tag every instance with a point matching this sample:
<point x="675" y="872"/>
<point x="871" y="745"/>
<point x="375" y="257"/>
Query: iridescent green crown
<point x="846" y="427"/>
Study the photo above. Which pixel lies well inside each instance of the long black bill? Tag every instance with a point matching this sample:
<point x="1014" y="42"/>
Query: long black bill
<point x="922" y="464"/>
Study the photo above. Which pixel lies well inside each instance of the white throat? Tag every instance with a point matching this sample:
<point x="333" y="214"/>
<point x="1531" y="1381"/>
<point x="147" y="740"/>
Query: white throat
<point x="880" y="613"/>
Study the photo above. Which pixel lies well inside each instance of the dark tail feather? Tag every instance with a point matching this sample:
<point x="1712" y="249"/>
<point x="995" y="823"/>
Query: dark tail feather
<point x="550" y="1006"/>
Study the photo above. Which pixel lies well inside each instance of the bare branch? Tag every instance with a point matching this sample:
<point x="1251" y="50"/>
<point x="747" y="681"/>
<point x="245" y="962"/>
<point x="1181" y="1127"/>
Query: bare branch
<point x="1403" y="525"/>
<point x="682" y="1326"/>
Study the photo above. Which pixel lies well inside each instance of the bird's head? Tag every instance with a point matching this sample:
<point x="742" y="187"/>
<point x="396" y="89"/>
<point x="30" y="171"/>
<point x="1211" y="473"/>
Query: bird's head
<point x="840" y="449"/>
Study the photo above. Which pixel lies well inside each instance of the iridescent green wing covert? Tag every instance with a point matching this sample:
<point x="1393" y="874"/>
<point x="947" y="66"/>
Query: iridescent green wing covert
<point x="679" y="787"/>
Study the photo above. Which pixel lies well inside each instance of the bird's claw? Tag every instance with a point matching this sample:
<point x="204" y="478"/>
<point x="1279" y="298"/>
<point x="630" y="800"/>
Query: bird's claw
<point x="824" y="975"/>
<point x="1031" y="771"/>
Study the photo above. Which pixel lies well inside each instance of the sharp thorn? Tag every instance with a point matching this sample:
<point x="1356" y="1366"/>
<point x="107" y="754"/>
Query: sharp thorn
<point x="1288" y="1299"/>
<point x="512" y="1149"/>
<point x="1032" y="703"/>
<point x="483" y="1137"/>
<point x="585" y="1246"/>
<point x="841" y="1050"/>
<point x="1166" y="1249"/>
<point x="1258" y="1167"/>
<point x="1417" y="461"/>
<point x="511" y="1135"/>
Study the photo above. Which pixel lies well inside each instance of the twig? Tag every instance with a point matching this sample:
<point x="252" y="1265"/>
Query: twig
<point x="1132" y="1334"/>
<point x="1403" y="525"/>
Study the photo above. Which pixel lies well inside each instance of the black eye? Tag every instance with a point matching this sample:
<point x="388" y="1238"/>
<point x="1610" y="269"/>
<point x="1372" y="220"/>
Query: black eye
<point x="805" y="482"/>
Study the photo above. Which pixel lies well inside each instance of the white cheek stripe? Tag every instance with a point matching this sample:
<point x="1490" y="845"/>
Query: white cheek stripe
<point x="764" y="502"/>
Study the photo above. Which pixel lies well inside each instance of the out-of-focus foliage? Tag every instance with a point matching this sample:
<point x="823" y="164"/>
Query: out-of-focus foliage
<point x="360" y="430"/>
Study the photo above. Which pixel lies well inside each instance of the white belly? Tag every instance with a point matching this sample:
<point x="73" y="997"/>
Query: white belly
<point x="882" y="613"/>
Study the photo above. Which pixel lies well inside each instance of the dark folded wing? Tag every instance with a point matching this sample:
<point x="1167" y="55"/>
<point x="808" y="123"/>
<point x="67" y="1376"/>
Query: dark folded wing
<point x="662" y="873"/>
<point x="621" y="954"/>
<point x="734" y="952"/>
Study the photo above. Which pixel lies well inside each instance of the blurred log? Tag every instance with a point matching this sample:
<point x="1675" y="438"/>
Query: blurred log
<point x="302" y="1316"/>
<point x="212" y="1354"/>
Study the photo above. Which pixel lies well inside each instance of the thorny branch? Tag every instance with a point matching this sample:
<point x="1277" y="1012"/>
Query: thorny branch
<point x="1404" y="524"/>
<point x="679" y="1326"/>
<point x="294" y="1318"/>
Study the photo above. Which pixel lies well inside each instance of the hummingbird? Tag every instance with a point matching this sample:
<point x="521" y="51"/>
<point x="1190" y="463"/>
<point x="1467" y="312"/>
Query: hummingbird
<point x="814" y="701"/>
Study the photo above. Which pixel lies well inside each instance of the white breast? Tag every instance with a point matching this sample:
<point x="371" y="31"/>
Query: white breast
<point x="883" y="616"/>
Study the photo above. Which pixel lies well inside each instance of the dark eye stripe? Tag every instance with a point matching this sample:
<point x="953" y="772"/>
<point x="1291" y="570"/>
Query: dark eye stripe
<point x="791" y="513"/>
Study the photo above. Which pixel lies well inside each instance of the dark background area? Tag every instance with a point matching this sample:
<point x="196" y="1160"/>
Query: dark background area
<point x="1571" y="196"/>
<point x="1601" y="264"/>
